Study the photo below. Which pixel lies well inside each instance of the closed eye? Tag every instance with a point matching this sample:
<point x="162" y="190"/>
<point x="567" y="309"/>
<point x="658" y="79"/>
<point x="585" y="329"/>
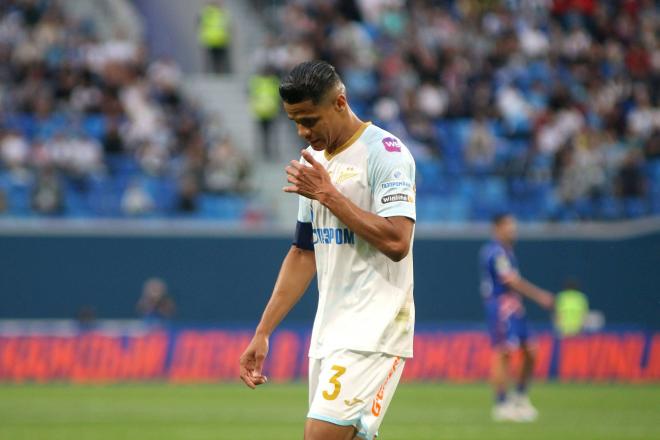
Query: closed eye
<point x="308" y="122"/>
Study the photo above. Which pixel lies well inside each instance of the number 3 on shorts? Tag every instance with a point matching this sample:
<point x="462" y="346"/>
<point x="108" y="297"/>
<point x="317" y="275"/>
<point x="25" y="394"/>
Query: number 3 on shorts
<point x="333" y="380"/>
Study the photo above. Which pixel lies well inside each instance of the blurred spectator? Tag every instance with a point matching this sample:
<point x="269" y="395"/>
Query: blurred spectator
<point x="480" y="151"/>
<point x="630" y="182"/>
<point x="652" y="146"/>
<point x="136" y="200"/>
<point x="432" y="100"/>
<point x="571" y="309"/>
<point x="3" y="202"/>
<point x="226" y="170"/>
<point x="113" y="142"/>
<point x="188" y="194"/>
<point x="92" y="113"/>
<point x="153" y="157"/>
<point x="76" y="156"/>
<point x="86" y="317"/>
<point x="215" y="35"/>
<point x="643" y="119"/>
<point x="265" y="103"/>
<point x="581" y="174"/>
<point x="47" y="197"/>
<point x="537" y="80"/>
<point x="14" y="151"/>
<point x="155" y="303"/>
<point x="165" y="76"/>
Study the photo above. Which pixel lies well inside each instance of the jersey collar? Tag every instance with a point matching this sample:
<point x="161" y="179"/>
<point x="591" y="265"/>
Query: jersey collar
<point x="349" y="142"/>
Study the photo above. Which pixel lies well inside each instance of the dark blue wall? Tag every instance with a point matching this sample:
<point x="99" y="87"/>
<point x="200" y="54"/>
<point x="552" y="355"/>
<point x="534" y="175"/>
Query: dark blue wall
<point x="230" y="279"/>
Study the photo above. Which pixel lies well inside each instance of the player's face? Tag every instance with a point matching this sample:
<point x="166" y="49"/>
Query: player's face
<point x="507" y="230"/>
<point x="316" y="123"/>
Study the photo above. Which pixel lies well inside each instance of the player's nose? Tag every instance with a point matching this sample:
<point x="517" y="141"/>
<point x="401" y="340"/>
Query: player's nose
<point x="303" y="132"/>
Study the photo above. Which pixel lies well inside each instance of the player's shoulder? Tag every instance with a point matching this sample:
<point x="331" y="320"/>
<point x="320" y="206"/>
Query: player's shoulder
<point x="490" y="250"/>
<point x="384" y="146"/>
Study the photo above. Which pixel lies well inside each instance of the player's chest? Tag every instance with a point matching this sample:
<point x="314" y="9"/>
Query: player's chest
<point x="352" y="182"/>
<point x="348" y="177"/>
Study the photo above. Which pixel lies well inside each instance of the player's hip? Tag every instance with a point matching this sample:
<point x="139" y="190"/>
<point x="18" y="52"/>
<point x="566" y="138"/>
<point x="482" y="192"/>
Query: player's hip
<point x="504" y="306"/>
<point x="355" y="388"/>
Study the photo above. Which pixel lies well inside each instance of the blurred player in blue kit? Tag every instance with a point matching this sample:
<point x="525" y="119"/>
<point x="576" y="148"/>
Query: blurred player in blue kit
<point x="503" y="289"/>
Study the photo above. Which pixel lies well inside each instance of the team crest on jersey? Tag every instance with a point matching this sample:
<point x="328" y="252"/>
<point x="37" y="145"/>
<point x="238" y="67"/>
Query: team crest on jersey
<point x="392" y="145"/>
<point x="346" y="174"/>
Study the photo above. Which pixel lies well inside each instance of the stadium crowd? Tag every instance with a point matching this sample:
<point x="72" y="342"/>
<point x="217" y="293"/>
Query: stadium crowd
<point x="94" y="127"/>
<point x="547" y="108"/>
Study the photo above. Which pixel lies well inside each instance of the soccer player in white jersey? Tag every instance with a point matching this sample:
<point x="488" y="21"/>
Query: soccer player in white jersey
<point x="355" y="227"/>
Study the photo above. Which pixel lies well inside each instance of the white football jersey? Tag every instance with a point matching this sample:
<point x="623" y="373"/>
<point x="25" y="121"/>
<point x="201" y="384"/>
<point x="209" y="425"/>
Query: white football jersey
<point x="365" y="299"/>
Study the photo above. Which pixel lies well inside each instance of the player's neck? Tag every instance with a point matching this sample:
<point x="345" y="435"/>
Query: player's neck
<point x="505" y="243"/>
<point x="352" y="126"/>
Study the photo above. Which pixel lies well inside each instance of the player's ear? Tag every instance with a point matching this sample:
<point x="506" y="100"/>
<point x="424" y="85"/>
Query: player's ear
<point x="341" y="103"/>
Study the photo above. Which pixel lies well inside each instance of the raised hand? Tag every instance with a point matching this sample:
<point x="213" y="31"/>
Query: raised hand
<point x="311" y="181"/>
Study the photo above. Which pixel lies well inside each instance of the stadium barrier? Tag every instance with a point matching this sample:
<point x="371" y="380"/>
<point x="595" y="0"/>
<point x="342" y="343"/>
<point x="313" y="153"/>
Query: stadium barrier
<point x="57" y="268"/>
<point x="203" y="355"/>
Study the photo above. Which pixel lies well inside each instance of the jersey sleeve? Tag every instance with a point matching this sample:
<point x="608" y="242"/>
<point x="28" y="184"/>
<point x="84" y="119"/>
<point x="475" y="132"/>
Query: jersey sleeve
<point x="502" y="267"/>
<point x="391" y="174"/>
<point x="304" y="235"/>
<point x="304" y="210"/>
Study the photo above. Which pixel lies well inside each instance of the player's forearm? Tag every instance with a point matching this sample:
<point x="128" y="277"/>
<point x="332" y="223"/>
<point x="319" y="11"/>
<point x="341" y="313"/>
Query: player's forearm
<point x="378" y="231"/>
<point x="524" y="287"/>
<point x="297" y="271"/>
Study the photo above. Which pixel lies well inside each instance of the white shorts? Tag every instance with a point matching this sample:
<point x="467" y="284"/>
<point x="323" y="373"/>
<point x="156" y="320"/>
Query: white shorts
<point x="352" y="388"/>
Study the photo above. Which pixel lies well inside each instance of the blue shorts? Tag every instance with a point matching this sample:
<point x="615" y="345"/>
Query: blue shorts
<point x="507" y="322"/>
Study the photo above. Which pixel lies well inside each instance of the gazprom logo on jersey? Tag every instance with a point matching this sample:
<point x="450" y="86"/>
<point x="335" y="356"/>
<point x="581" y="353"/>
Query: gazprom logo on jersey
<point x="333" y="236"/>
<point x="392" y="145"/>
<point x="396" y="184"/>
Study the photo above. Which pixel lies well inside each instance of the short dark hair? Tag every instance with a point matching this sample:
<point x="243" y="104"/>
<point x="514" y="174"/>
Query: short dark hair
<point x="500" y="217"/>
<point x="308" y="80"/>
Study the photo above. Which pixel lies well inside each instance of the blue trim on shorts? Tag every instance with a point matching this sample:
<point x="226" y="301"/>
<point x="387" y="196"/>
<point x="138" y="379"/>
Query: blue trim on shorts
<point x="333" y="420"/>
<point x="363" y="434"/>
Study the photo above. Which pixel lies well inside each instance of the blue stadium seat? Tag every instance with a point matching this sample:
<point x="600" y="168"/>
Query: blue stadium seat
<point x="467" y="187"/>
<point x="443" y="209"/>
<point x="19" y="198"/>
<point x="165" y="195"/>
<point x="491" y="190"/>
<point x="458" y="210"/>
<point x="429" y="177"/>
<point x="94" y="126"/>
<point x="490" y="198"/>
<point x="76" y="204"/>
<point x="454" y="135"/>
<point x="221" y="207"/>
<point x="104" y="197"/>
<point x="429" y="209"/>
<point x="634" y="207"/>
<point x="654" y="203"/>
<point x="610" y="208"/>
<point x="653" y="172"/>
<point x="124" y="165"/>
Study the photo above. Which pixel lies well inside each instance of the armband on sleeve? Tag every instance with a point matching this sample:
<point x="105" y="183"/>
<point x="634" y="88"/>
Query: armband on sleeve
<point x="304" y="237"/>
